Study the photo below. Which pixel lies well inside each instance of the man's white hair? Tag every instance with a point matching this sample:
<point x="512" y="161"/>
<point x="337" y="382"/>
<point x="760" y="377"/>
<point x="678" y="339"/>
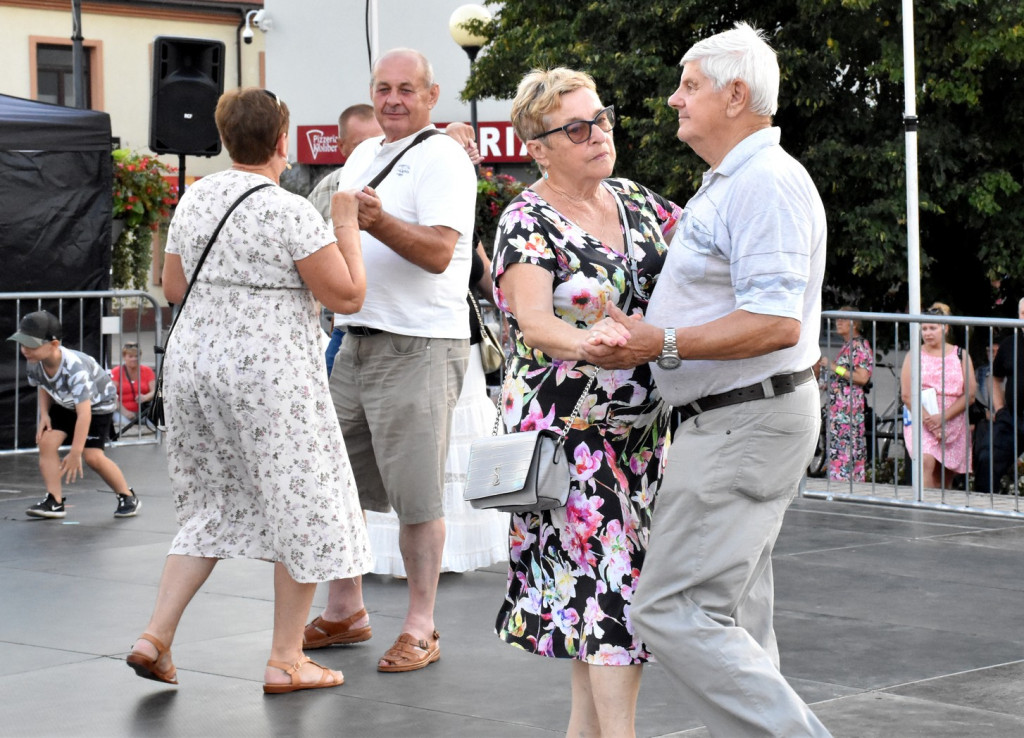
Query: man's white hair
<point x="742" y="53"/>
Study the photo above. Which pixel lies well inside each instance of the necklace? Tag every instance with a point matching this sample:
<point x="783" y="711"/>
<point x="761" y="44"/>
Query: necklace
<point x="592" y="219"/>
<point x="590" y="208"/>
<point x="569" y="198"/>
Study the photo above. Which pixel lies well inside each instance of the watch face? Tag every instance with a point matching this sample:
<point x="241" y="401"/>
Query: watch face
<point x="669" y="362"/>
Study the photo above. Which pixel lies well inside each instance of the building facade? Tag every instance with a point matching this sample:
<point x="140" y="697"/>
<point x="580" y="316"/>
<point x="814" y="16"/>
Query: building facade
<point x="36" y="45"/>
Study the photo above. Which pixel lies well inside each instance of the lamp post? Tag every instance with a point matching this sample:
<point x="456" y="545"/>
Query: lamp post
<point x="469" y="41"/>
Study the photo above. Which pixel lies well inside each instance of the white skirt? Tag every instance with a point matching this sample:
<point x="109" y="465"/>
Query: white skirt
<point x="473" y="538"/>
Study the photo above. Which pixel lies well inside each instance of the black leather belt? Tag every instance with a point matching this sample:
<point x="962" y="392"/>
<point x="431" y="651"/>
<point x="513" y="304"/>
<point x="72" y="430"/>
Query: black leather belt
<point x="780" y="384"/>
<point x="359" y="330"/>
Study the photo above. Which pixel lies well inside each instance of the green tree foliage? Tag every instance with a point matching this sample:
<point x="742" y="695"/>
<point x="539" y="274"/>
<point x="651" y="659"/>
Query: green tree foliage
<point x="841" y="113"/>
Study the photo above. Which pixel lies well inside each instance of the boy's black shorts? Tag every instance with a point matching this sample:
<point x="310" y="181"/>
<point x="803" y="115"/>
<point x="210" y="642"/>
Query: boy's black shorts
<point x="62" y="419"/>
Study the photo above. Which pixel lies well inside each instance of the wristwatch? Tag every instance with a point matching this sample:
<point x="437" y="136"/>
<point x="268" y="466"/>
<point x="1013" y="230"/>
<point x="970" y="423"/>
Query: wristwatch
<point x="669" y="358"/>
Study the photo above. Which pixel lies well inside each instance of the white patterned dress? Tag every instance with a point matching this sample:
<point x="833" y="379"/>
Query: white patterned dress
<point x="257" y="463"/>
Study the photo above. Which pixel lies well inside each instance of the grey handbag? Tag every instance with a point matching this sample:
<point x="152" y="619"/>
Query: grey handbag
<point x="520" y="472"/>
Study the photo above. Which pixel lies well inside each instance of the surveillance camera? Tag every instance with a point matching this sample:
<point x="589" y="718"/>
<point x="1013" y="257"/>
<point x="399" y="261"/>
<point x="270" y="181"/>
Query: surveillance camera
<point x="247" y="35"/>
<point x="262" y="20"/>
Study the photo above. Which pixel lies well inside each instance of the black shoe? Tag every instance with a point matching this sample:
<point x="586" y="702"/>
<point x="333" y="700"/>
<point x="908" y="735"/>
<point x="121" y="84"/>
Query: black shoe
<point x="127" y="505"/>
<point x="48" y="508"/>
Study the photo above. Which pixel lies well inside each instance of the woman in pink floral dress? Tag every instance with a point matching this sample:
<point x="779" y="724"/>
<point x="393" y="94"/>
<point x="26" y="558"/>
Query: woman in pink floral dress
<point x="945" y="437"/>
<point x="850" y="372"/>
<point x="573" y="242"/>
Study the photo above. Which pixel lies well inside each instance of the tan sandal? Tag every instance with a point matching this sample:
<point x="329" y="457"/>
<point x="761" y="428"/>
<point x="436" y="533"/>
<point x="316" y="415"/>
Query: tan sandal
<point x="321" y="633"/>
<point x="327" y="678"/>
<point x="146" y="667"/>
<point x="410" y="653"/>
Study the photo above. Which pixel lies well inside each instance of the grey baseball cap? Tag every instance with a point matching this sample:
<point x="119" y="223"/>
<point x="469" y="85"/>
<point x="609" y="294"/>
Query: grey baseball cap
<point x="36" y="329"/>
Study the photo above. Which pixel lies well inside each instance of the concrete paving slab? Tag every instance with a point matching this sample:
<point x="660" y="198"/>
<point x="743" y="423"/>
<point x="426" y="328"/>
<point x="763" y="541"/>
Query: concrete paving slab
<point x="892" y="622"/>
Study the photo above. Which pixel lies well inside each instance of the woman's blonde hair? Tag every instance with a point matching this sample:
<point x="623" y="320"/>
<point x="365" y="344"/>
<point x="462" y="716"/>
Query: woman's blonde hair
<point x="540" y="93"/>
<point x="941" y="308"/>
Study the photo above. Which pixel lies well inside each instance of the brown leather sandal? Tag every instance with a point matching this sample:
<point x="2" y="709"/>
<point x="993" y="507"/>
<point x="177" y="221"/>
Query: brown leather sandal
<point x="327" y="678"/>
<point x="321" y="633"/>
<point x="410" y="653"/>
<point x="146" y="667"/>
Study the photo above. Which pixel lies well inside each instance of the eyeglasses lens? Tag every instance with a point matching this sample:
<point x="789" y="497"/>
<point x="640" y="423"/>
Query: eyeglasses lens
<point x="581" y="131"/>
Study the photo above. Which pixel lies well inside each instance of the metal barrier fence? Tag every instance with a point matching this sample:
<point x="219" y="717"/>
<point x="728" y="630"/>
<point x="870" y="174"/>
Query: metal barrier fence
<point x="105" y="321"/>
<point x="892" y="475"/>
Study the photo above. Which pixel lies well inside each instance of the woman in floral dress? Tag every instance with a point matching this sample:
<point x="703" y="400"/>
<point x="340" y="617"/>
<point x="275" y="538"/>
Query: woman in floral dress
<point x="566" y="247"/>
<point x="851" y="371"/>
<point x="257" y="463"/>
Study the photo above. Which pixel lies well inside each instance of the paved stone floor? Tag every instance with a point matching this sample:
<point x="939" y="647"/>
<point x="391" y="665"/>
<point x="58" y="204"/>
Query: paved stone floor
<point x="891" y="622"/>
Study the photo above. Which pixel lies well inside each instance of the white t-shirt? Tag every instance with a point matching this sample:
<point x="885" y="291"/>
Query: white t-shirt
<point x="752" y="238"/>
<point x="432" y="185"/>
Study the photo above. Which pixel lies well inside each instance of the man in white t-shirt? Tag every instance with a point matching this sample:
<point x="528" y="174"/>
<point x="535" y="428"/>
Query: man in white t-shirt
<point x="732" y="329"/>
<point x="399" y="372"/>
<point x="356" y="124"/>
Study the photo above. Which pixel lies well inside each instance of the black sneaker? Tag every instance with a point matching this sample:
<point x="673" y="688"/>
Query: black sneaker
<point x="48" y="508"/>
<point x="127" y="505"/>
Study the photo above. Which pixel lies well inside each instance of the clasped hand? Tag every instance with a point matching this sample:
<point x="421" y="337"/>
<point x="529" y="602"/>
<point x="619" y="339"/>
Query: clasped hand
<point x="932" y="423"/>
<point x="611" y="343"/>
<point x="345" y="208"/>
<point x="371" y="209"/>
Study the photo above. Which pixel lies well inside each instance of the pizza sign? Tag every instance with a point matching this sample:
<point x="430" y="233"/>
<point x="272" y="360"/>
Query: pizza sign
<point x="497" y="141"/>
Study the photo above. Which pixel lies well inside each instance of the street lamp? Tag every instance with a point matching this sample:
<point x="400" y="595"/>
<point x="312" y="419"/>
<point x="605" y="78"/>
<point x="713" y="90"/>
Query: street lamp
<point x="469" y="41"/>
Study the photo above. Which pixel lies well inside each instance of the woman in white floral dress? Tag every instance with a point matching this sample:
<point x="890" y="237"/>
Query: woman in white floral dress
<point x="257" y="462"/>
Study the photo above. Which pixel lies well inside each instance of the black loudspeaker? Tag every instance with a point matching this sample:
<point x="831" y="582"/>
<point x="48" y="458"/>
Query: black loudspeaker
<point x="188" y="79"/>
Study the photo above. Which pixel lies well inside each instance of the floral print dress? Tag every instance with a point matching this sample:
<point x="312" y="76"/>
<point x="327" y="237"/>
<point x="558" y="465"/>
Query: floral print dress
<point x="573" y="571"/>
<point x="847" y="440"/>
<point x="257" y="463"/>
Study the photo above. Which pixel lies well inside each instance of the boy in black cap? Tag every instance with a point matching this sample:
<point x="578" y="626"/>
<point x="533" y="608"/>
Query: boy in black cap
<point x="77" y="400"/>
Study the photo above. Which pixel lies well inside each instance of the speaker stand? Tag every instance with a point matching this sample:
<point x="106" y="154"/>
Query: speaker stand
<point x="181" y="176"/>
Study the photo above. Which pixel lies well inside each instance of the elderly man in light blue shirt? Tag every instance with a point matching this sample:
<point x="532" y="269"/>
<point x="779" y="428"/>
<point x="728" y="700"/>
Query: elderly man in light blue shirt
<point x="732" y="327"/>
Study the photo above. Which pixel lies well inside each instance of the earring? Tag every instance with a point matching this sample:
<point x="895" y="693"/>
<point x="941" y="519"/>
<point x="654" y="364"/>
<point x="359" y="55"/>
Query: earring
<point x="545" y="174"/>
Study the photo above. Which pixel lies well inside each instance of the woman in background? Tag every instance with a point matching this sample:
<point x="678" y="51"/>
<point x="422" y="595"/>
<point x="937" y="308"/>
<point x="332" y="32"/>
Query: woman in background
<point x="136" y="385"/>
<point x="948" y="372"/>
<point x="851" y="371"/>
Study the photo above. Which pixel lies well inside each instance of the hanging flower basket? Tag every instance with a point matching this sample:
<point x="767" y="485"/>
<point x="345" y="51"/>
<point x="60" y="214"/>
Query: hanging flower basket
<point x="143" y="195"/>
<point x="493" y="194"/>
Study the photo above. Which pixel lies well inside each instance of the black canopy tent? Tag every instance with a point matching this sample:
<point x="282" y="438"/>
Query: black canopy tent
<point x="55" y="214"/>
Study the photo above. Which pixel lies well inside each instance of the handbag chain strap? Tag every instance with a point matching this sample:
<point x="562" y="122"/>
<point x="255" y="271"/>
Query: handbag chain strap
<point x="576" y="411"/>
<point x="476" y="309"/>
<point x="572" y="417"/>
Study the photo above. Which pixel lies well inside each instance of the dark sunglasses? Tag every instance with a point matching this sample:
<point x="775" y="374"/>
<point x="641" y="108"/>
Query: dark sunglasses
<point x="580" y="131"/>
<point x="275" y="98"/>
<point x="933" y="311"/>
